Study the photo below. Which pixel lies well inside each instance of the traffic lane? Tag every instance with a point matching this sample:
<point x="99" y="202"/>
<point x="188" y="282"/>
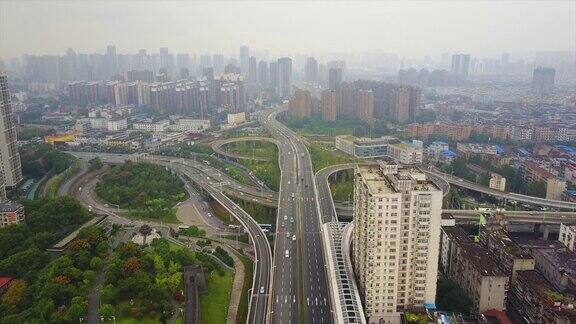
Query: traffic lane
<point x="284" y="297"/>
<point x="259" y="303"/>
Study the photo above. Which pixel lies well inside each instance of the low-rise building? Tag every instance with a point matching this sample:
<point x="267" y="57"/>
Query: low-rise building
<point x="474" y="269"/>
<point x="236" y="119"/>
<point x="555" y="188"/>
<point x="11" y="213"/>
<point x="510" y="256"/>
<point x="190" y="125"/>
<point x="554" y="261"/>
<point x="533" y="300"/>
<point x="568" y="235"/>
<point x="406" y="153"/>
<point x="151" y="126"/>
<point x="364" y="147"/>
<point x="497" y="182"/>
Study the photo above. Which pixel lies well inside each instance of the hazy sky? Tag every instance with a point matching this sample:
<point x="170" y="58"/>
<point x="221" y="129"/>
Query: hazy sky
<point x="408" y="28"/>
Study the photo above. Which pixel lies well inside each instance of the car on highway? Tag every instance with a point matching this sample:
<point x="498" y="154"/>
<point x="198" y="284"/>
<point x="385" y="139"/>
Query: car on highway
<point x="285" y="217"/>
<point x="262" y="289"/>
<point x="294" y="237"/>
<point x="287" y="253"/>
<point x="288" y="234"/>
<point x="291" y="219"/>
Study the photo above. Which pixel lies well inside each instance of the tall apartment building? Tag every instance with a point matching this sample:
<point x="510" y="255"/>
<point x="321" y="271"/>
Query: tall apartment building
<point x="334" y="79"/>
<point x="363" y="105"/>
<point x="400" y="105"/>
<point x="244" y="59"/>
<point x="311" y="70"/>
<point x="396" y="239"/>
<point x="347" y="107"/>
<point x="284" y="77"/>
<point x="10" y="158"/>
<point x="543" y="80"/>
<point x="252" y="70"/>
<point x="330" y="103"/>
<point x="263" y="75"/>
<point x="301" y="104"/>
<point x="460" y="65"/>
<point x="568" y="235"/>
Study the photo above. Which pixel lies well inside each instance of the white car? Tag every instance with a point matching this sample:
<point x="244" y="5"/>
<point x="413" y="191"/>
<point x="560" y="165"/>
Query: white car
<point x="262" y="289"/>
<point x="294" y="237"/>
<point x="287" y="253"/>
<point x="285" y="217"/>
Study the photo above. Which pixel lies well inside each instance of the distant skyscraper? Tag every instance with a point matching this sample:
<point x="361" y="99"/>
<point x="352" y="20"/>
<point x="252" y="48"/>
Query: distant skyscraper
<point x="285" y="77"/>
<point x="301" y="104"/>
<point x="460" y="65"/>
<point x="337" y="64"/>
<point x="253" y="70"/>
<point x="363" y="103"/>
<point x="166" y="60"/>
<point x="10" y="158"/>
<point x="112" y="60"/>
<point x="311" y="70"/>
<point x="334" y="78"/>
<point x="183" y="60"/>
<point x="263" y="74"/>
<point x="505" y="58"/>
<point x="396" y="239"/>
<point x="330" y="103"/>
<point x="543" y="80"/>
<point x="400" y="105"/>
<point x="218" y="63"/>
<point x="274" y="75"/>
<point x="244" y="60"/>
<point x="206" y="61"/>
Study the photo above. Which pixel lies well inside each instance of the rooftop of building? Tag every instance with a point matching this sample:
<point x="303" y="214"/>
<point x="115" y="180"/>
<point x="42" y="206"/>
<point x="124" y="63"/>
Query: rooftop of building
<point x="536" y="283"/>
<point x="562" y="258"/>
<point x="499" y="237"/>
<point x="482" y="259"/>
<point x="4" y="281"/>
<point x="378" y="183"/>
<point x="456" y="233"/>
<point x="10" y="206"/>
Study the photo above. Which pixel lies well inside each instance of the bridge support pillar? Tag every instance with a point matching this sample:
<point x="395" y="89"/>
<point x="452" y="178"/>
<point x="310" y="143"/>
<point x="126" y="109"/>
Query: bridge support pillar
<point x="537" y="229"/>
<point x="546" y="232"/>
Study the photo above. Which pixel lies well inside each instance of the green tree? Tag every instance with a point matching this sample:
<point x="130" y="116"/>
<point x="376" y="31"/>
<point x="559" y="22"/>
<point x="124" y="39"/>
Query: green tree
<point x="451" y="297"/>
<point x="95" y="164"/>
<point x="107" y="310"/>
<point x="14" y="296"/>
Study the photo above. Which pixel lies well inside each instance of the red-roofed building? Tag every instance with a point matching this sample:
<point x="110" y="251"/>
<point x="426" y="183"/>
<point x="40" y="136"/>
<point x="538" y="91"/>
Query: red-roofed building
<point x="4" y="284"/>
<point x="498" y="315"/>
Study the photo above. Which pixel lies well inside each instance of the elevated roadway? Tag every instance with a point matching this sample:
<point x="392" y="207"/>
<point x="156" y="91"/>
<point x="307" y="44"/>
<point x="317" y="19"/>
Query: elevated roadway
<point x="459" y="182"/>
<point x="308" y="283"/>
<point x="218" y="144"/>
<point x="259" y="302"/>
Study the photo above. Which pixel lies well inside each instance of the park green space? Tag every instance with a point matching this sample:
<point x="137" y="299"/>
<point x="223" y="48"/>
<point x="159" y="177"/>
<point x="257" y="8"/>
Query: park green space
<point x="342" y="186"/>
<point x="148" y="191"/>
<point x="242" y="314"/>
<point x="49" y="290"/>
<point x="323" y="156"/>
<point x="250" y="148"/>
<point x="314" y="125"/>
<point x="214" y="303"/>
<point x="267" y="171"/>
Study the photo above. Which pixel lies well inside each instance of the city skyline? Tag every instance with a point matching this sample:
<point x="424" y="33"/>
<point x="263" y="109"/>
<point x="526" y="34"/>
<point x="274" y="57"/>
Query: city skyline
<point x="222" y="27"/>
